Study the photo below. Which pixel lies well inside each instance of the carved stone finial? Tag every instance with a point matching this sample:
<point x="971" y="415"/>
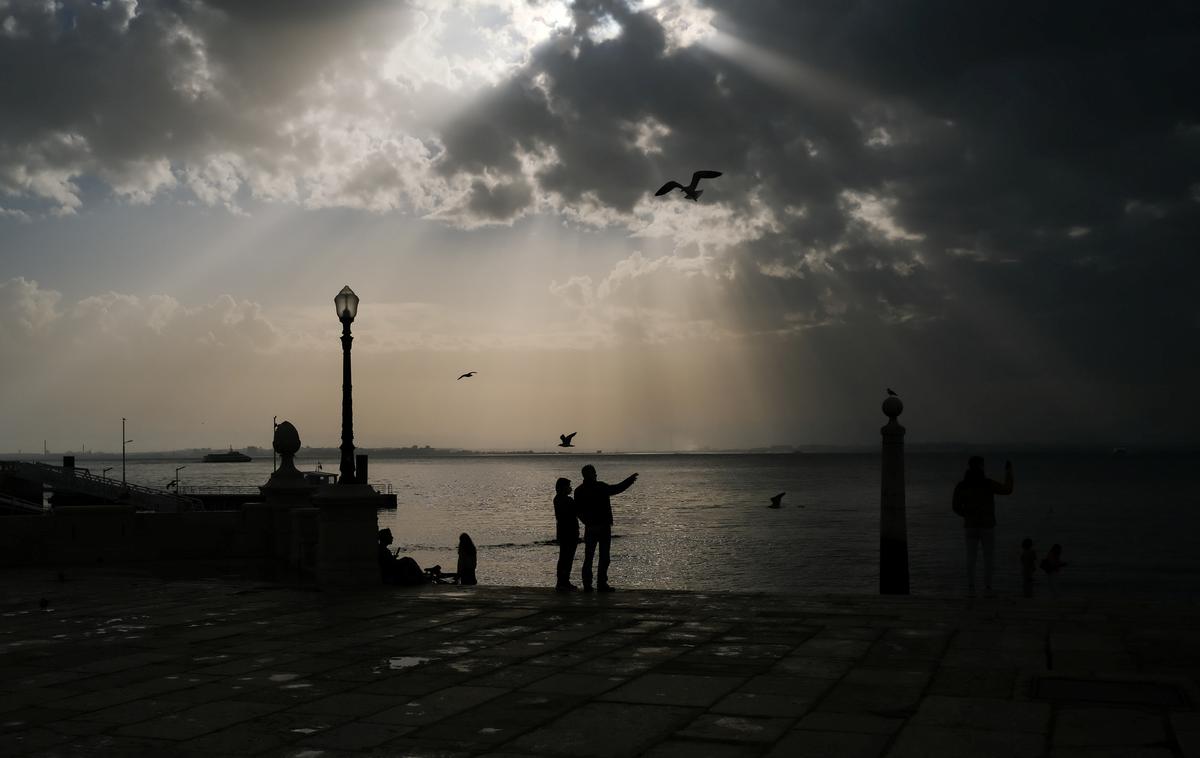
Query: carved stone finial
<point x="287" y="440"/>
<point x="892" y="407"/>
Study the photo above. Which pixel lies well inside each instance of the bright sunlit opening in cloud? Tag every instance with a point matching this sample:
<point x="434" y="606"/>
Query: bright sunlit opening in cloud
<point x="784" y="72"/>
<point x="465" y="43"/>
<point x="684" y="22"/>
<point x="604" y="30"/>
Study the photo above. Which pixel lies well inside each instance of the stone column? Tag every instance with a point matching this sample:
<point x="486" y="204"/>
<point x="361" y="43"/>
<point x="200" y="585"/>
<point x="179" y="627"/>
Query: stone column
<point x="347" y="536"/>
<point x="893" y="529"/>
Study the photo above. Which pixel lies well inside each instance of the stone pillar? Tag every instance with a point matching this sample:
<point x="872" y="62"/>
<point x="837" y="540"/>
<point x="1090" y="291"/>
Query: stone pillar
<point x="893" y="527"/>
<point x="269" y="523"/>
<point x="302" y="554"/>
<point x="347" y="536"/>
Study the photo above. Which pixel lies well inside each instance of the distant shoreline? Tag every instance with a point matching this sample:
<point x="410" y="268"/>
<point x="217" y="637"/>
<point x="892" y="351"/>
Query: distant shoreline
<point x="408" y="453"/>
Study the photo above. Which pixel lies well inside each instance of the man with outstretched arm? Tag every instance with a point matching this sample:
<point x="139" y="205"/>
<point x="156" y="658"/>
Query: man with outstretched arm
<point x="595" y="509"/>
<point x="974" y="500"/>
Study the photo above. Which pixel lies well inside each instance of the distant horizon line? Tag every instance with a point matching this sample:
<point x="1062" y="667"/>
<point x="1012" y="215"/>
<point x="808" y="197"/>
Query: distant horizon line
<point x="414" y="451"/>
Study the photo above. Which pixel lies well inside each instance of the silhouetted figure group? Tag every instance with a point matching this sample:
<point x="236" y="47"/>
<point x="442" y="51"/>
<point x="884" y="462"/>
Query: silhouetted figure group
<point x="404" y="570"/>
<point x="974" y="500"/>
<point x="593" y="508"/>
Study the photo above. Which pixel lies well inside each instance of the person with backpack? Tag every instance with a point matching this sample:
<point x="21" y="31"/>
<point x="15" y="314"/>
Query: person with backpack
<point x="974" y="500"/>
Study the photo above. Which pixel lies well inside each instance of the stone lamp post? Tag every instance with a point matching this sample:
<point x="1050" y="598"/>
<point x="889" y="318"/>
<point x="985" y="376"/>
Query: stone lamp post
<point x="893" y="527"/>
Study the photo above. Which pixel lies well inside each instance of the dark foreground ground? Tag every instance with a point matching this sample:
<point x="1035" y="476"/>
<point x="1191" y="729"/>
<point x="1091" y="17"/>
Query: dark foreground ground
<point x="129" y="663"/>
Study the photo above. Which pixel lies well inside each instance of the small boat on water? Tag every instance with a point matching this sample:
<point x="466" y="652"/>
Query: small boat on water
<point x="320" y="477"/>
<point x="233" y="456"/>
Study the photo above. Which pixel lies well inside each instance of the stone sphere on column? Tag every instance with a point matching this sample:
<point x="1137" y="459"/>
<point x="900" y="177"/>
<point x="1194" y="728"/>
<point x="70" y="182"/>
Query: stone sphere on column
<point x="892" y="407"/>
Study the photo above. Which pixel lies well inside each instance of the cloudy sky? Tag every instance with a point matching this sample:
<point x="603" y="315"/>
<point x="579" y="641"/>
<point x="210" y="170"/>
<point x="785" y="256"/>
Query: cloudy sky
<point x="993" y="207"/>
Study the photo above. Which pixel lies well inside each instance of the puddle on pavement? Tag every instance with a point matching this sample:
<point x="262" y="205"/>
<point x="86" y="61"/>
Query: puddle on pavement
<point x="407" y="662"/>
<point x="738" y="725"/>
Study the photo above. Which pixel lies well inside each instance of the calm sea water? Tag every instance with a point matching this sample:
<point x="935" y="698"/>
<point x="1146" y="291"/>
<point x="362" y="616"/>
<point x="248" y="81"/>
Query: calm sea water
<point x="700" y="522"/>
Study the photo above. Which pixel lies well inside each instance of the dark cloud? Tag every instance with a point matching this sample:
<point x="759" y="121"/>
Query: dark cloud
<point x="131" y="92"/>
<point x="501" y="202"/>
<point x="1004" y="193"/>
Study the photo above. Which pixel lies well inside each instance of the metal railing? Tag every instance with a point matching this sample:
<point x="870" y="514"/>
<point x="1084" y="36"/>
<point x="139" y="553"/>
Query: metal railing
<point x="383" y="488"/>
<point x="218" y="489"/>
<point x="17" y="504"/>
<point x="81" y="480"/>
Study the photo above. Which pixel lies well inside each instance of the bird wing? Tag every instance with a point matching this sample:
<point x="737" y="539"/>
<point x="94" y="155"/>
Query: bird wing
<point x="696" y="177"/>
<point x="668" y="187"/>
<point x="467" y="375"/>
<point x="567" y="437"/>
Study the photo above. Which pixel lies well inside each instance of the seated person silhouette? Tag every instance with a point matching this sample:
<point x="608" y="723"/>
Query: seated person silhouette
<point x="393" y="570"/>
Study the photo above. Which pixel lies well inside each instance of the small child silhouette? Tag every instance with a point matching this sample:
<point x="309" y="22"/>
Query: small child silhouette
<point x="1052" y="564"/>
<point x="1028" y="566"/>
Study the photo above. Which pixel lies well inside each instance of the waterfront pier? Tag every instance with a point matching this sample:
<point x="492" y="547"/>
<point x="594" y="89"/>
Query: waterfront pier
<point x="127" y="663"/>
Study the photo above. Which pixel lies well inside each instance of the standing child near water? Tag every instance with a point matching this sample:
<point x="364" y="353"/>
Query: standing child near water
<point x="1028" y="566"/>
<point x="566" y="533"/>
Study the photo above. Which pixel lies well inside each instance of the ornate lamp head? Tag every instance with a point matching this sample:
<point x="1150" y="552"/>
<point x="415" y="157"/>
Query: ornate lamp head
<point x="346" y="303"/>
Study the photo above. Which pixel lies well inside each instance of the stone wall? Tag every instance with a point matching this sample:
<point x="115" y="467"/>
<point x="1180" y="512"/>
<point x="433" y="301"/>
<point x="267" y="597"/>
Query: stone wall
<point x="119" y="534"/>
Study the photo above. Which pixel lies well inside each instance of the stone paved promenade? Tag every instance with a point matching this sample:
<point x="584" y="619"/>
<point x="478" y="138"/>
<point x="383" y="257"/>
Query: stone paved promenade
<point x="130" y="664"/>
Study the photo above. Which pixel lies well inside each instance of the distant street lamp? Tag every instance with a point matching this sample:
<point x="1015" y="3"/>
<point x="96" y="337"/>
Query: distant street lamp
<point x="104" y="473"/>
<point x="346" y="303"/>
<point x="124" y="442"/>
<point x="177" y="470"/>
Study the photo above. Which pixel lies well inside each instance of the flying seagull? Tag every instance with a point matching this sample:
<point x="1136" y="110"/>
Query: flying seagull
<point x="777" y="501"/>
<point x="892" y="392"/>
<point x="467" y="375"/>
<point x="566" y="439"/>
<point x="689" y="191"/>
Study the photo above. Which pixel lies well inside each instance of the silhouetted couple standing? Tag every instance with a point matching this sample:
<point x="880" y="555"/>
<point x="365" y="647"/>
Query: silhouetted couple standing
<point x="593" y="507"/>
